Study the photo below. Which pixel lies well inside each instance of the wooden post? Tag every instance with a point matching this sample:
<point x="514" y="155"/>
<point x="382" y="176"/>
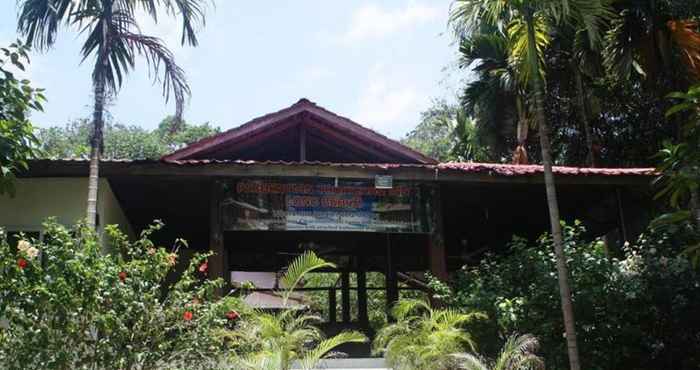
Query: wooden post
<point x="218" y="263"/>
<point x="621" y="214"/>
<point x="392" y="284"/>
<point x="332" y="302"/>
<point x="345" y="295"/>
<point x="362" y="315"/>
<point x="302" y="143"/>
<point x="436" y="244"/>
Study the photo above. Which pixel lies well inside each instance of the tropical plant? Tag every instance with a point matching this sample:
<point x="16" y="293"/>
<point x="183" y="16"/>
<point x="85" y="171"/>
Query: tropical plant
<point x="679" y="181"/>
<point x="114" y="39"/>
<point x="527" y="24"/>
<point x="66" y="304"/>
<point x="610" y="284"/>
<point x="650" y="39"/>
<point x="495" y="98"/>
<point x="17" y="99"/>
<point x="279" y="340"/>
<point x="446" y="133"/>
<point x="518" y="353"/>
<point x="424" y="338"/>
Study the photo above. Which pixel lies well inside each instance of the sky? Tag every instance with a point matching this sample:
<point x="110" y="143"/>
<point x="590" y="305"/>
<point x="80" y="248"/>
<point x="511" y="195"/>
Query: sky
<point x="379" y="63"/>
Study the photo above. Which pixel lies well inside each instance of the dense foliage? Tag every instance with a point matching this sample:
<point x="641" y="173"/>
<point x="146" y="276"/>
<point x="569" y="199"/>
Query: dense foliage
<point x="446" y="133"/>
<point x="424" y="338"/>
<point x="17" y="99"/>
<point x="290" y="337"/>
<point x="121" y="141"/>
<point x="636" y="311"/>
<point x="602" y="93"/>
<point x="68" y="305"/>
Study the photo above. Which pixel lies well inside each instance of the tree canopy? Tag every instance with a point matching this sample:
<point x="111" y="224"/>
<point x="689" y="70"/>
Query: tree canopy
<point x="17" y="99"/>
<point x="121" y="141"/>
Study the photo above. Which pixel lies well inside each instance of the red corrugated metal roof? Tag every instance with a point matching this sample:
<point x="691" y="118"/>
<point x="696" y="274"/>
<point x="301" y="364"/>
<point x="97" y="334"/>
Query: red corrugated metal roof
<point x="495" y="169"/>
<point x="522" y="170"/>
<point x="465" y="167"/>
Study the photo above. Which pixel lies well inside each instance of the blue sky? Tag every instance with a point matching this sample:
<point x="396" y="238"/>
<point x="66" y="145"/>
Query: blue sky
<point x="377" y="62"/>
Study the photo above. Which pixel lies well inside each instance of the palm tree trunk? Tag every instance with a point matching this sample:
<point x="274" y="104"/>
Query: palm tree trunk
<point x="520" y="154"/>
<point x="581" y="108"/>
<point x="95" y="150"/>
<point x="552" y="203"/>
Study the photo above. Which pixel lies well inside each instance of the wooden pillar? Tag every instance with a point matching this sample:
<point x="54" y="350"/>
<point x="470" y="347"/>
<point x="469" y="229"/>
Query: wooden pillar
<point x="218" y="263"/>
<point x="362" y="315"/>
<point x="332" y="304"/>
<point x="436" y="243"/>
<point x="345" y="295"/>
<point x="621" y="215"/>
<point x="302" y="143"/>
<point x="392" y="283"/>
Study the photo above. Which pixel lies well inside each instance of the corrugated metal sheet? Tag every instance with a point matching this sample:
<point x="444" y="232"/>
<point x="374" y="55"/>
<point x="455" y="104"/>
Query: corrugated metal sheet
<point x="465" y="167"/>
<point x="494" y="169"/>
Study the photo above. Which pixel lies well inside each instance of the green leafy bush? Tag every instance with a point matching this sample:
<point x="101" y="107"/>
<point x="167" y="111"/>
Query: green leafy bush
<point x="423" y="338"/>
<point x="636" y="312"/>
<point x="67" y="305"/>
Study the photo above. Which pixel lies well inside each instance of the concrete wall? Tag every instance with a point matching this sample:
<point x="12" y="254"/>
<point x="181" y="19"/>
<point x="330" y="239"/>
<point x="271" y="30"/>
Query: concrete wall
<point x="63" y="198"/>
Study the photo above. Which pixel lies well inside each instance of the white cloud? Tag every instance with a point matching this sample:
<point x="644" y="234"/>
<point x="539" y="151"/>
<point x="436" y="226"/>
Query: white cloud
<point x="388" y="104"/>
<point x="372" y="21"/>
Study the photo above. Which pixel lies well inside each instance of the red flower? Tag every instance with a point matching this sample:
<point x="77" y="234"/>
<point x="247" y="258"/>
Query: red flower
<point x="187" y="316"/>
<point x="232" y="315"/>
<point x="122" y="276"/>
<point x="22" y="263"/>
<point x="204" y="267"/>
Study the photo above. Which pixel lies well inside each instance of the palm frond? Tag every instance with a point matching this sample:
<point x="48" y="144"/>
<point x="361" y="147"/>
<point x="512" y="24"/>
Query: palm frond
<point x="520" y="57"/>
<point x="39" y="20"/>
<point x="468" y="361"/>
<point x="323" y="348"/>
<point x="301" y="266"/>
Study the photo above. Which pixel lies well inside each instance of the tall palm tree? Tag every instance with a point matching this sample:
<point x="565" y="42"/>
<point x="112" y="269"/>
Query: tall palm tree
<point x="492" y="97"/>
<point x="114" y="40"/>
<point x="423" y="338"/>
<point x="277" y="341"/>
<point x="527" y="22"/>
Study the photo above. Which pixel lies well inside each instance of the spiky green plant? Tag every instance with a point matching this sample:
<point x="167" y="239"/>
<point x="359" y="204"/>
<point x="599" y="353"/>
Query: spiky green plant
<point x="290" y="337"/>
<point x="518" y="353"/>
<point x="423" y="338"/>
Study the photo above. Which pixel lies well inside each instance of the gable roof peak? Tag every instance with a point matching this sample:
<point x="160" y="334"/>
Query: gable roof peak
<point x="338" y="128"/>
<point x="305" y="101"/>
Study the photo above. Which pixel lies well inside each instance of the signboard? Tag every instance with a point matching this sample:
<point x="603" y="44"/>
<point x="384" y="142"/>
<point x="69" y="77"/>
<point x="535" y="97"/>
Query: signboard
<point x="323" y="205"/>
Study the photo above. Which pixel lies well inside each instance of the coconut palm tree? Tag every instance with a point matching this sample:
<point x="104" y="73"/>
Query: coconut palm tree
<point x="423" y="338"/>
<point x="113" y="39"/>
<point x="279" y="340"/>
<point x="528" y="23"/>
<point x="518" y="353"/>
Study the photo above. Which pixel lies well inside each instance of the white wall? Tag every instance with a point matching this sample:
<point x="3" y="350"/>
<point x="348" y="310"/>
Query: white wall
<point x="63" y="198"/>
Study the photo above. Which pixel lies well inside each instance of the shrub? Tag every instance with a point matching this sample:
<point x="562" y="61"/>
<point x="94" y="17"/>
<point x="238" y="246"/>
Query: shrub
<point x="423" y="338"/>
<point x="66" y="305"/>
<point x="636" y="312"/>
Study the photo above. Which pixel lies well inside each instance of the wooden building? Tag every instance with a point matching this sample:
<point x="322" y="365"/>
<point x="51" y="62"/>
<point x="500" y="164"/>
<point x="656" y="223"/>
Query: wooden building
<point x="305" y="178"/>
